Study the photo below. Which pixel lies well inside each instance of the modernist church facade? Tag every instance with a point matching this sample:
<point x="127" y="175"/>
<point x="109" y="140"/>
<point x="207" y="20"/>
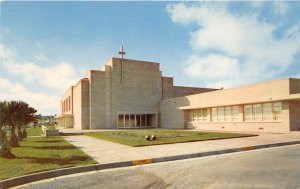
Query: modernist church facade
<point x="134" y="94"/>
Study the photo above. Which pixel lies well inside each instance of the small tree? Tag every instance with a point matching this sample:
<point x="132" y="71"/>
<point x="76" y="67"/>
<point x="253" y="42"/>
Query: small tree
<point x="4" y="144"/>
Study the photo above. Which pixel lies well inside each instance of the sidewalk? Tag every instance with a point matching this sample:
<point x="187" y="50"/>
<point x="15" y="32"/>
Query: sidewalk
<point x="109" y="152"/>
<point x="112" y="155"/>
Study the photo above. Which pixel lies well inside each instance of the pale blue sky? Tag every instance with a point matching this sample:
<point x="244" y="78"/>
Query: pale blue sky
<point x="47" y="46"/>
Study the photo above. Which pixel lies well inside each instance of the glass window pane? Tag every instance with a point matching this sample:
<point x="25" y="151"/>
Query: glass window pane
<point x="204" y="114"/>
<point x="191" y="115"/>
<point x="138" y="120"/>
<point x="120" y="121"/>
<point x="214" y="114"/>
<point x="228" y="113"/>
<point x="277" y="109"/>
<point x="200" y="113"/>
<point x="257" y="112"/>
<point x="132" y="124"/>
<point x="248" y="112"/>
<point x="127" y="123"/>
<point x="220" y="113"/>
<point x="235" y="113"/>
<point x="267" y="112"/>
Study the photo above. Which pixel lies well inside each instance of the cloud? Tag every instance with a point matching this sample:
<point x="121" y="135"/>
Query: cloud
<point x="280" y="7"/>
<point x="46" y="104"/>
<point x="56" y="76"/>
<point x="243" y="45"/>
<point x="41" y="57"/>
<point x="211" y="66"/>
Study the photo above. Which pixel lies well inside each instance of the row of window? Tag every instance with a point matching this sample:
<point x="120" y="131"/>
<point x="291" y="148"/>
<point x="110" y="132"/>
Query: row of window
<point x="135" y="120"/>
<point x="263" y="112"/>
<point x="251" y="112"/>
<point x="66" y="105"/>
<point x="228" y="113"/>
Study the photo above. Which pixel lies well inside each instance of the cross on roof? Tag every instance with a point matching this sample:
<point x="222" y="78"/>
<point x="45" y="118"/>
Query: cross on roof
<point x="121" y="52"/>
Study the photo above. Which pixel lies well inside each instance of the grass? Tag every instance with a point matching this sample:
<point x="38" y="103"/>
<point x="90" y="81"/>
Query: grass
<point x="136" y="138"/>
<point x="34" y="131"/>
<point x="40" y="154"/>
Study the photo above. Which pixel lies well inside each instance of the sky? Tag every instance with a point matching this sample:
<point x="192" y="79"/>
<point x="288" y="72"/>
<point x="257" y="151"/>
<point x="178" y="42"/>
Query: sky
<point x="45" y="47"/>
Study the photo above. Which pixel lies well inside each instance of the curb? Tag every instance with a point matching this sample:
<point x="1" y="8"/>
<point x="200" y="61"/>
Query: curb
<point x="68" y="171"/>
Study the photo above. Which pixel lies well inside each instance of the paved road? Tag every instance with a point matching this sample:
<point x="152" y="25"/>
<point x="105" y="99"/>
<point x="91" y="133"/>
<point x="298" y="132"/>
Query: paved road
<point x="268" y="168"/>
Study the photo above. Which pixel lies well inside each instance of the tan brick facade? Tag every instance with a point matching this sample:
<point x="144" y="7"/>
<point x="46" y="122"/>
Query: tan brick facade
<point x="176" y="112"/>
<point x="135" y="94"/>
<point x="131" y="91"/>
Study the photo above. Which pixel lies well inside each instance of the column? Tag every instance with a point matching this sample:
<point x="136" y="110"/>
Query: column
<point x="123" y="120"/>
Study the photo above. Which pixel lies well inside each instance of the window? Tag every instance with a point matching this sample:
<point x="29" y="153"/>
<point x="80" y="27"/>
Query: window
<point x="220" y="113"/>
<point x="214" y="114"/>
<point x="121" y="120"/>
<point x="267" y="112"/>
<point x="127" y="121"/>
<point x="67" y="106"/>
<point x="198" y="115"/>
<point x="263" y="112"/>
<point x="247" y="112"/>
<point x="235" y="113"/>
<point x="277" y="109"/>
<point x="131" y="121"/>
<point x="205" y="114"/>
<point x="69" y="103"/>
<point x="143" y="120"/>
<point x="257" y="112"/>
<point x="228" y="113"/>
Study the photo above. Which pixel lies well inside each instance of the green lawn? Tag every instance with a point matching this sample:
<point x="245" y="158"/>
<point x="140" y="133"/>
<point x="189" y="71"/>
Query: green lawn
<point x="164" y="136"/>
<point x="41" y="154"/>
<point x="34" y="131"/>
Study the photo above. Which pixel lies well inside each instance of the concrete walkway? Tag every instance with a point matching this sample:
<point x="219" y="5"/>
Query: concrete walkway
<point x="109" y="152"/>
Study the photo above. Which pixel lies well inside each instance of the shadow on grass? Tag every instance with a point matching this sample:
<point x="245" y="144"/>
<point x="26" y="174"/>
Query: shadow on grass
<point x="49" y="141"/>
<point x="59" y="161"/>
<point x="54" y="147"/>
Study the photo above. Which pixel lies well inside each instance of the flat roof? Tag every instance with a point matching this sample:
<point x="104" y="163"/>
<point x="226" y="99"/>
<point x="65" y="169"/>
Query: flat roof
<point x="264" y="100"/>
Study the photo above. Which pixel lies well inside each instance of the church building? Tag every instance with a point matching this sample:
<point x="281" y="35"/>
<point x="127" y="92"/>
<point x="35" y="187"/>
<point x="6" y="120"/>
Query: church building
<point x="122" y="94"/>
<point x="134" y="94"/>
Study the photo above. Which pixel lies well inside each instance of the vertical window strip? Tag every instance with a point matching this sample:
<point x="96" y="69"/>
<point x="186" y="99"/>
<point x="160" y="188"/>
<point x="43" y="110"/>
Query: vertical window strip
<point x="220" y="114"/>
<point x="247" y="112"/>
<point x="228" y="113"/>
<point x="235" y="113"/>
<point x="267" y="112"/>
<point x="257" y="112"/>
<point x="277" y="110"/>
<point x="214" y="114"/>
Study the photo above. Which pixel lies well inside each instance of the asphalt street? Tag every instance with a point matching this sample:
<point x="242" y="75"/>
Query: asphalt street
<point x="268" y="168"/>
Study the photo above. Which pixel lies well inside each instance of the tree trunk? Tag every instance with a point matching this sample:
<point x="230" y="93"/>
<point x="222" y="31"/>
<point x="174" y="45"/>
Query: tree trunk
<point x="20" y="133"/>
<point x="4" y="147"/>
<point x="24" y="133"/>
<point x="13" y="138"/>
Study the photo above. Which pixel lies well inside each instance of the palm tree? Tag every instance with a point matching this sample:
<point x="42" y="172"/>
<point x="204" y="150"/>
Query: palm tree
<point x="13" y="117"/>
<point x="26" y="116"/>
<point x="4" y="144"/>
<point x="19" y="116"/>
